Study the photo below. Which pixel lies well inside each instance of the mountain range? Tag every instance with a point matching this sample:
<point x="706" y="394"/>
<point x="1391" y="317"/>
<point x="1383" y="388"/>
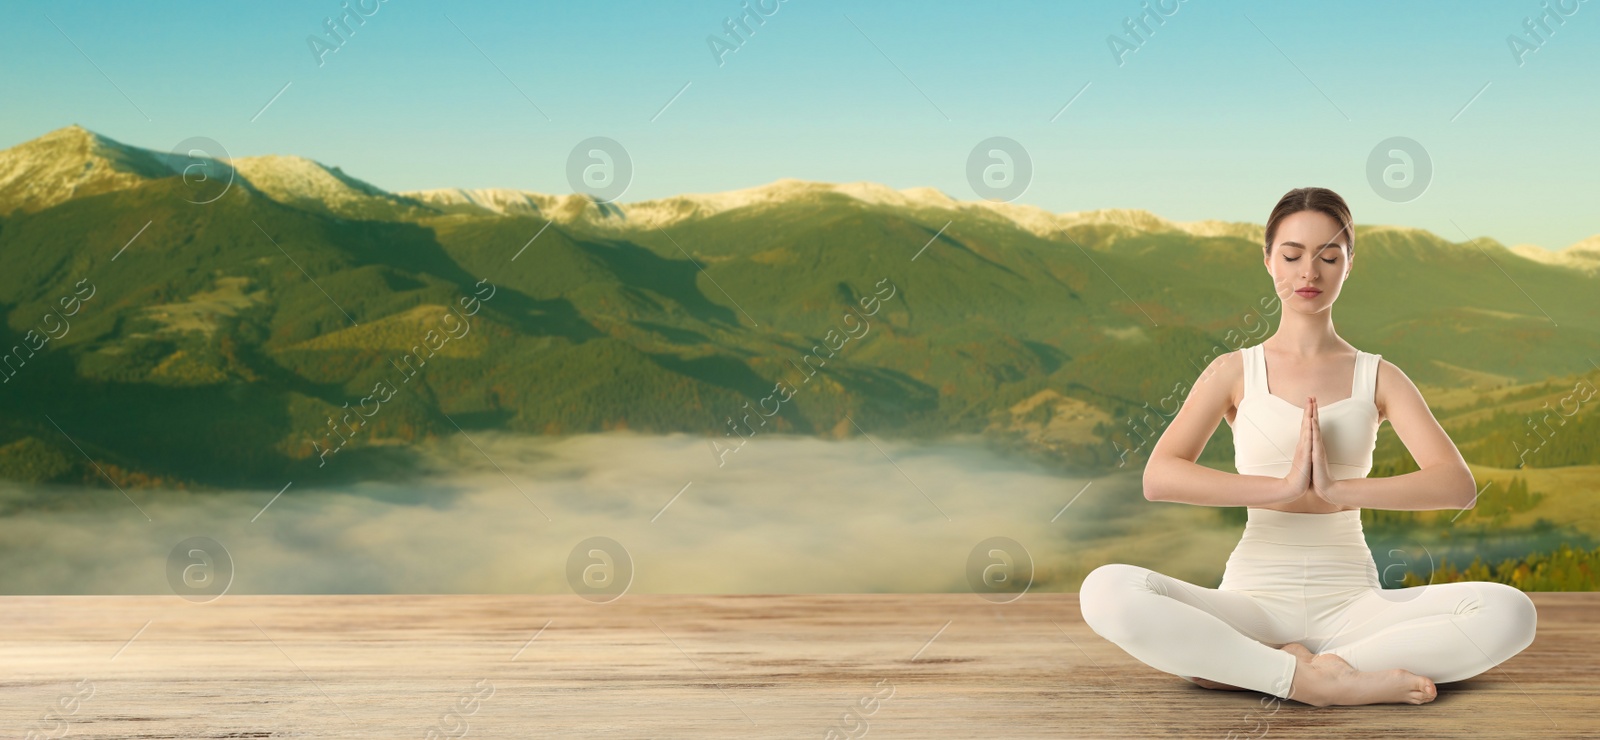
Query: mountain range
<point x="216" y="343"/>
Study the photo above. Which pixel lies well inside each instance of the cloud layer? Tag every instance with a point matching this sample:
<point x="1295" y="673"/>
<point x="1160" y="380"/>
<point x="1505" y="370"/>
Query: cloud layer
<point x="784" y="515"/>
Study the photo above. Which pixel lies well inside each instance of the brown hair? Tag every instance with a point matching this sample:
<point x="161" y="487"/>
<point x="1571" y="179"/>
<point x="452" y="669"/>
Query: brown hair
<point x="1321" y="200"/>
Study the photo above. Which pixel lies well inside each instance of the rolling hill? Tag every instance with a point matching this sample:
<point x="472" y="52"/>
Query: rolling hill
<point x="219" y="344"/>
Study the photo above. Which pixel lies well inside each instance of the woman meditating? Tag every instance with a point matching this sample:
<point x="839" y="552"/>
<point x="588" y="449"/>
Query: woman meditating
<point x="1300" y="612"/>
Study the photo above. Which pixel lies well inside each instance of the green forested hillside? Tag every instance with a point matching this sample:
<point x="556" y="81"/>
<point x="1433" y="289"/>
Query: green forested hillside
<point x="227" y="341"/>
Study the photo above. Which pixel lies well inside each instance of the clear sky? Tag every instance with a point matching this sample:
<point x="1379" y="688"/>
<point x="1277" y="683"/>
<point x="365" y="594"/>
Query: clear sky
<point x="1214" y="115"/>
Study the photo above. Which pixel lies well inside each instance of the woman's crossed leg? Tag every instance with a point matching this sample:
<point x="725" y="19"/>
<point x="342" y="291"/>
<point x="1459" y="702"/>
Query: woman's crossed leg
<point x="1227" y="637"/>
<point x="1188" y="630"/>
<point x="1445" y="631"/>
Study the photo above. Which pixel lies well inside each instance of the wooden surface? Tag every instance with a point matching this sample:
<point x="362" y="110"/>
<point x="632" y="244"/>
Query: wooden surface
<point x="924" y="666"/>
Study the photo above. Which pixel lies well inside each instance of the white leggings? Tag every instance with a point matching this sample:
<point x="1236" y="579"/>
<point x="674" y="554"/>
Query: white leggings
<point x="1306" y="578"/>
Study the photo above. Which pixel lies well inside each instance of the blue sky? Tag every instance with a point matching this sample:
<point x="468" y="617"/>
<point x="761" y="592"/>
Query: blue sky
<point x="1215" y="115"/>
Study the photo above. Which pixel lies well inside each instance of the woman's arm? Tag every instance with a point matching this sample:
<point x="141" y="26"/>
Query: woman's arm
<point x="1444" y="481"/>
<point x="1172" y="473"/>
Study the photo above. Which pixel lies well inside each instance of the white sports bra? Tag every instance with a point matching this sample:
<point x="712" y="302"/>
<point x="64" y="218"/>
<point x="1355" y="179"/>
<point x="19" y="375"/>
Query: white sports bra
<point x="1266" y="428"/>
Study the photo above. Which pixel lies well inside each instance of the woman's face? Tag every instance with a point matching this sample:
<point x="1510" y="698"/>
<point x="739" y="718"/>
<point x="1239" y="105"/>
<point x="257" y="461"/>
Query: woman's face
<point x="1307" y="270"/>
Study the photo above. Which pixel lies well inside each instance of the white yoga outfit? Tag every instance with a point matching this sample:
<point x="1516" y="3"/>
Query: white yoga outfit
<point x="1305" y="578"/>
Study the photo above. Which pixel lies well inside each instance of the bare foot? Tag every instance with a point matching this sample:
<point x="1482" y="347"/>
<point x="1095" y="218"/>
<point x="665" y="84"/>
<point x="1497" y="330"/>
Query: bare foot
<point x="1209" y="684"/>
<point x="1298" y="650"/>
<point x="1327" y="680"/>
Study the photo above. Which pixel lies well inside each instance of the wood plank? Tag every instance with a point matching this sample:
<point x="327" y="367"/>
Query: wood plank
<point x="931" y="666"/>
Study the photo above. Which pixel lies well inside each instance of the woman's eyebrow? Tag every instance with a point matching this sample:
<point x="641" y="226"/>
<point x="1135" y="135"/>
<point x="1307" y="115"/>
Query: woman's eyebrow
<point x="1302" y="246"/>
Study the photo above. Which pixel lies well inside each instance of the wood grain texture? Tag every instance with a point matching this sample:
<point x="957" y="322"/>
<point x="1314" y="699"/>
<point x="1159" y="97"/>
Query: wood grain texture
<point x="925" y="666"/>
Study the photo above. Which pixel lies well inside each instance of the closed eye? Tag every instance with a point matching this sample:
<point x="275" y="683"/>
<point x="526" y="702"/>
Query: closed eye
<point x="1296" y="259"/>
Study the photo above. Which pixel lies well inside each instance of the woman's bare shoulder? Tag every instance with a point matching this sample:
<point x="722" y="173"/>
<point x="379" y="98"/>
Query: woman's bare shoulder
<point x="1390" y="381"/>
<point x="1227" y="370"/>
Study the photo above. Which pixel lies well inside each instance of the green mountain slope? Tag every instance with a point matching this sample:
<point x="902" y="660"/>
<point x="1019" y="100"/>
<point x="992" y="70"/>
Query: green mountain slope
<point x="224" y="344"/>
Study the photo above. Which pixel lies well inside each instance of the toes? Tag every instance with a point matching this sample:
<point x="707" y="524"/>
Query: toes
<point x="1426" y="691"/>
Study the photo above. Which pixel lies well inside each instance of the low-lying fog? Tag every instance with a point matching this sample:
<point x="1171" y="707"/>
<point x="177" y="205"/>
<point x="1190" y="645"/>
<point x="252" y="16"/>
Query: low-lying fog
<point x="785" y="514"/>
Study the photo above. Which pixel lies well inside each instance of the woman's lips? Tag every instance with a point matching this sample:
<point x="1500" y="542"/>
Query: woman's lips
<point x="1308" y="292"/>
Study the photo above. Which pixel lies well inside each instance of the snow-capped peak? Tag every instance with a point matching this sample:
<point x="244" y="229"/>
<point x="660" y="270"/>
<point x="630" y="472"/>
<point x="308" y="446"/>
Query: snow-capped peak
<point x="305" y="183"/>
<point x="73" y="162"/>
<point x="69" y="163"/>
<point x="503" y="201"/>
<point x="662" y="212"/>
<point x="1582" y="255"/>
<point x="274" y="174"/>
